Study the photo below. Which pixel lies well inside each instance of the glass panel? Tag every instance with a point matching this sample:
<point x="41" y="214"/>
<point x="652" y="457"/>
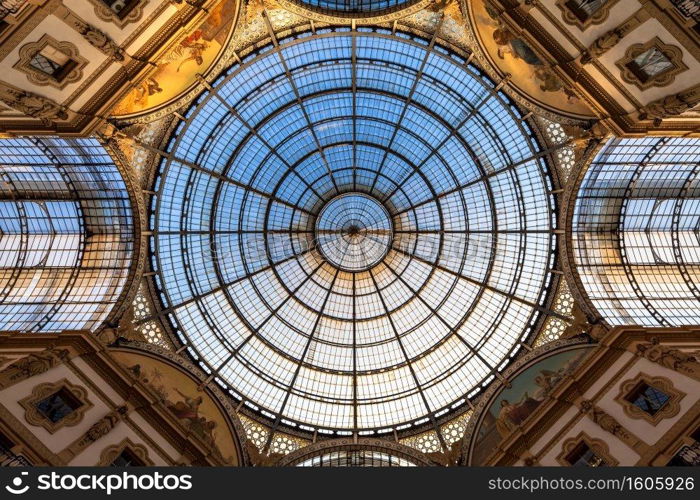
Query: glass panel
<point x="356" y="458"/>
<point x="584" y="9"/>
<point x="584" y="456"/>
<point x="635" y="231"/>
<point x="650" y="63"/>
<point x="648" y="399"/>
<point x="66" y="234"/>
<point x="354" y="260"/>
<point x="58" y="405"/>
<point x="127" y="459"/>
<point x="358" y="6"/>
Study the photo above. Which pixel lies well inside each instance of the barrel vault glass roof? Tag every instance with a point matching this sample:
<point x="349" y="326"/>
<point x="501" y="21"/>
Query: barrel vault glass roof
<point x="636" y="231"/>
<point x="393" y="119"/>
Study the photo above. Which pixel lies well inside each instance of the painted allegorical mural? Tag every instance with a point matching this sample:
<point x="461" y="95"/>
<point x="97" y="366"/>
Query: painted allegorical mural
<point x="196" y="410"/>
<point x="510" y="408"/>
<point x="529" y="73"/>
<point x="195" y="52"/>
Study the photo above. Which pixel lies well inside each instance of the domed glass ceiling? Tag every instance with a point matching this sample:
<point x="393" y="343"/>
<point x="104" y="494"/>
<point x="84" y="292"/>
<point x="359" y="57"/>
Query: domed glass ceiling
<point x="353" y="231"/>
<point x="355" y="6"/>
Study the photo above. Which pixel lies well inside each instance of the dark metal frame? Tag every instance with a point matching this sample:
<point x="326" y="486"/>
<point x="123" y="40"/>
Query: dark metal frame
<point x="166" y="309"/>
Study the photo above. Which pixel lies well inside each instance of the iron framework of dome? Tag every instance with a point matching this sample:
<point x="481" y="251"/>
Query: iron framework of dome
<point x="355" y="7"/>
<point x="353" y="231"/>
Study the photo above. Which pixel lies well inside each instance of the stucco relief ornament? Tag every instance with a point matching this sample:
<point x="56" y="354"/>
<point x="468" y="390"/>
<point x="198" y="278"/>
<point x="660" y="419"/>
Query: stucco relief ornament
<point x="450" y="458"/>
<point x="604" y="420"/>
<point x="672" y="105"/>
<point x="31" y="365"/>
<point x="580" y="139"/>
<point x="100" y="41"/>
<point x="34" y="105"/>
<point x="260" y="459"/>
<point x="601" y="45"/>
<point x="439" y="5"/>
<point x="669" y="357"/>
<point x="103" y="426"/>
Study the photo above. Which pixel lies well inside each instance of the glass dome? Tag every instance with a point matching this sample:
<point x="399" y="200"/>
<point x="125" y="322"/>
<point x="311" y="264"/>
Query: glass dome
<point x="353" y="231"/>
<point x="349" y="7"/>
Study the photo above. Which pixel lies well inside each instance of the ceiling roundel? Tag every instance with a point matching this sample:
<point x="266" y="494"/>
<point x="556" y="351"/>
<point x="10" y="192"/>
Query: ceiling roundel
<point x="353" y="231"/>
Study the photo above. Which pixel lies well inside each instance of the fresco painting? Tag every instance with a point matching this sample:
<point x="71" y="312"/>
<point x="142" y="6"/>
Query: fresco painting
<point x="180" y="394"/>
<point x="176" y="70"/>
<point x="513" y="405"/>
<point x="529" y="72"/>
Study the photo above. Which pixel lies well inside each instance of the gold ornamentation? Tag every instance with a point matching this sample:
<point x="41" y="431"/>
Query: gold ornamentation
<point x="570" y="16"/>
<point x="33" y="105"/>
<point x="32" y="364"/>
<point x="35" y="417"/>
<point x="668" y="410"/>
<point x="598" y="446"/>
<point x="110" y="453"/>
<point x="73" y="73"/>
<point x="103" y="11"/>
<point x="662" y="79"/>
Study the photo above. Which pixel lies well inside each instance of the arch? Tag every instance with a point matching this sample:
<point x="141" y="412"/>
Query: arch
<point x="67" y="234"/>
<point x="635" y="235"/>
<point x="365" y="452"/>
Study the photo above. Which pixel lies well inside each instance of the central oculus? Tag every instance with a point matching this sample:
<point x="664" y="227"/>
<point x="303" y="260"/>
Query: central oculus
<point x="354" y="232"/>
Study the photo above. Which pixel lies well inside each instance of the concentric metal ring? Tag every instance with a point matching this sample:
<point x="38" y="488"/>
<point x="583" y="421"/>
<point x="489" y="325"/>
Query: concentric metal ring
<point x="354" y="232"/>
<point x="347" y="115"/>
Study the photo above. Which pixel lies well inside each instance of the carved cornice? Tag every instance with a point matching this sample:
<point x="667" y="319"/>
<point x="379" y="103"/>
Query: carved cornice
<point x="91" y="115"/>
<point x="606" y="105"/>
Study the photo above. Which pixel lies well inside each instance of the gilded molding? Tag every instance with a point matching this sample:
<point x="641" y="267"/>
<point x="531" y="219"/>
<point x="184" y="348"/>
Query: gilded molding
<point x="37" y="77"/>
<point x="598" y="446"/>
<point x="670" y="409"/>
<point x="113" y="451"/>
<point x="103" y="12"/>
<point x="35" y="417"/>
<point x="224" y="401"/>
<point x="483" y="403"/>
<point x="29" y="439"/>
<point x="671" y="52"/>
<point x="598" y="17"/>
